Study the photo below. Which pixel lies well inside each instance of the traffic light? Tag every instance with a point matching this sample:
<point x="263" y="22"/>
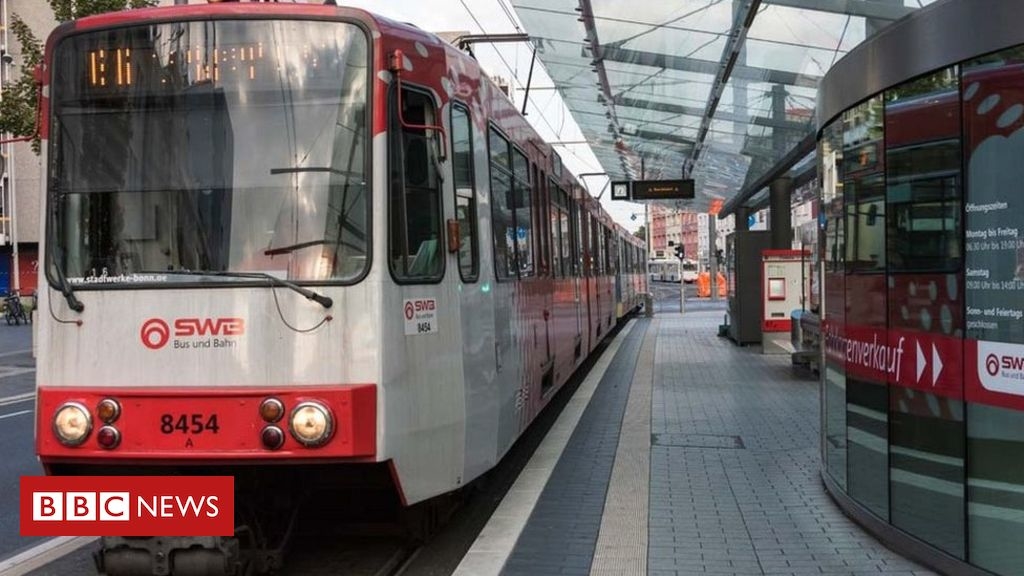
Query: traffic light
<point x="679" y="251"/>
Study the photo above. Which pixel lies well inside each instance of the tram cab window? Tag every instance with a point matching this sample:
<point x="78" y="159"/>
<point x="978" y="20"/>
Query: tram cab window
<point x="415" y="241"/>
<point x="465" y="194"/>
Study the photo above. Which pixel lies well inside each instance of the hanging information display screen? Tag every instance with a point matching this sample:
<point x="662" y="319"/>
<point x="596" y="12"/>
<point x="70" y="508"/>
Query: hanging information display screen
<point x="663" y="190"/>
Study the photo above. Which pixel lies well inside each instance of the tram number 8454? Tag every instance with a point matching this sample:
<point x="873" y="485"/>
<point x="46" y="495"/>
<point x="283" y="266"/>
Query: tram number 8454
<point x="188" y="424"/>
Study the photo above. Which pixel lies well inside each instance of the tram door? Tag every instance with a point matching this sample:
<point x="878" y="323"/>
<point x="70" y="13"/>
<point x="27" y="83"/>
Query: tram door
<point x="617" y="246"/>
<point x="582" y="281"/>
<point x="571" y="228"/>
<point x="596" y="273"/>
<point x="542" y="235"/>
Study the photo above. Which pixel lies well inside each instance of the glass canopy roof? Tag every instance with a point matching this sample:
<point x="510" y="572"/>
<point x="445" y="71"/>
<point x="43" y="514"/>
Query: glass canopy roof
<point x="727" y="87"/>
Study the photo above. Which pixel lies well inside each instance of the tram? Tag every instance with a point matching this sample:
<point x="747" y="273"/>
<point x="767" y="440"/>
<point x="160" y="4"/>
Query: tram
<point x="306" y="246"/>
<point x="663" y="270"/>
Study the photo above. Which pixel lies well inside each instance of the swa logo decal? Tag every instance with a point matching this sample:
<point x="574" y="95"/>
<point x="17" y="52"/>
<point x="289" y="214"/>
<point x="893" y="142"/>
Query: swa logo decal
<point x="992" y="364"/>
<point x="1000" y="367"/>
<point x="156" y="333"/>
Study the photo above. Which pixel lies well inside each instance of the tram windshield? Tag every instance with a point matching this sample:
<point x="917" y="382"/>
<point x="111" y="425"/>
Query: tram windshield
<point x="232" y="145"/>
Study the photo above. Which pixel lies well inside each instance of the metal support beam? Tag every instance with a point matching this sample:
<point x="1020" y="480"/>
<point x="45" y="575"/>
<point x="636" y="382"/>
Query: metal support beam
<point x="740" y="218"/>
<point x="780" y="192"/>
<point x="669" y="108"/>
<point x="529" y="80"/>
<point x="805" y="147"/>
<point x="742" y="21"/>
<point x="850" y="7"/>
<point x="464" y="42"/>
<point x="709" y="67"/>
<point x="660" y="137"/>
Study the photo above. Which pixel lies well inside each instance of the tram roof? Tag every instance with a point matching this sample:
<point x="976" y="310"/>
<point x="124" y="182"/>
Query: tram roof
<point x="723" y="91"/>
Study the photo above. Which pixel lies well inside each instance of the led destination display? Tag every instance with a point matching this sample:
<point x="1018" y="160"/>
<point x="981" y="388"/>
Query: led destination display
<point x="663" y="190"/>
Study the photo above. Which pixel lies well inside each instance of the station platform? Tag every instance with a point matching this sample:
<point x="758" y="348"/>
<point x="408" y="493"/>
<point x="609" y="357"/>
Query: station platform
<point x="679" y="454"/>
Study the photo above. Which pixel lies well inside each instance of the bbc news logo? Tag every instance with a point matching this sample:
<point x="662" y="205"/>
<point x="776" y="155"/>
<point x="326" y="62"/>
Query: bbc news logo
<point x="127" y="506"/>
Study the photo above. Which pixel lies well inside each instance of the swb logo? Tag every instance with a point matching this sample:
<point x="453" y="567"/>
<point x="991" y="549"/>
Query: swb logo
<point x="127" y="506"/>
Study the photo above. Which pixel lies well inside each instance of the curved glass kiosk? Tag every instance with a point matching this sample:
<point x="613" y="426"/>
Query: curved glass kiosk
<point x="921" y="165"/>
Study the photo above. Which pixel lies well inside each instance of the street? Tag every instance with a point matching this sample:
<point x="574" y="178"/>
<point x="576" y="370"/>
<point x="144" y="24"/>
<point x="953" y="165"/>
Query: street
<point x="17" y="403"/>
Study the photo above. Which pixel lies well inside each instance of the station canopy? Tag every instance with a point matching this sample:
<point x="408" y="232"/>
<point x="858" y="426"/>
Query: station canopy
<point x="716" y="90"/>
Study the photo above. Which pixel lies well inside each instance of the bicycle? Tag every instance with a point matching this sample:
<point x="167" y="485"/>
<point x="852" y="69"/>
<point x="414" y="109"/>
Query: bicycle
<point x="14" y="312"/>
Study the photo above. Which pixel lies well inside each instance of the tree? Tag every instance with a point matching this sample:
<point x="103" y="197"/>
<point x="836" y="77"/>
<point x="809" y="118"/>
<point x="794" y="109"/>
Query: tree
<point x="18" y="108"/>
<point x="641" y="233"/>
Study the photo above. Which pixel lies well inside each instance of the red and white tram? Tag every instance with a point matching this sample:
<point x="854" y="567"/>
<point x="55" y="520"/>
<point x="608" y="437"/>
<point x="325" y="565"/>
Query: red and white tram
<point x="305" y="246"/>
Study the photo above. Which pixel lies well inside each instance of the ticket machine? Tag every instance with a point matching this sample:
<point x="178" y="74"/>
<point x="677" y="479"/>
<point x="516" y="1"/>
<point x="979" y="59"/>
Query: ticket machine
<point x="783" y="275"/>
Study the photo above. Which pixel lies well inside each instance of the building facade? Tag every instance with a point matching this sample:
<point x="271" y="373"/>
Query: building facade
<point x="21" y="171"/>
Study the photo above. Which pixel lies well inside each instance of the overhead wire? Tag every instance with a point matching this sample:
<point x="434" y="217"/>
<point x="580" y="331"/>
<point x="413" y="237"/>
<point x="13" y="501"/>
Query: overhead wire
<point x="543" y="117"/>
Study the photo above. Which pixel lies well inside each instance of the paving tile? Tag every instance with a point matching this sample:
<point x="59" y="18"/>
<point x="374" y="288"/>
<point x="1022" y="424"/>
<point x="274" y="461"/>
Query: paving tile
<point x="736" y="465"/>
<point x="571" y="503"/>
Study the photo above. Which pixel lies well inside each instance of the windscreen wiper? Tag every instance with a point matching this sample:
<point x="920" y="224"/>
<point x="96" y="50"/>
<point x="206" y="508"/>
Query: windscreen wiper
<point x="65" y="288"/>
<point x="320" y="299"/>
<point x="63" y="285"/>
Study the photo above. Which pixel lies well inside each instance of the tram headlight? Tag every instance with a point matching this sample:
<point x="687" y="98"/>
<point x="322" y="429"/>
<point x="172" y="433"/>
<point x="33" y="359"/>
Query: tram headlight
<point x="72" y="423"/>
<point x="311" y="424"/>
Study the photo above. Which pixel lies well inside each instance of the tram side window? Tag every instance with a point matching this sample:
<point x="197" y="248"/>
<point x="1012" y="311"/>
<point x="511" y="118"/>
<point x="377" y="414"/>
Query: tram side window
<point x="569" y="260"/>
<point x="415" y="207"/>
<point x="524" y="211"/>
<point x="502" y="220"/>
<point x="465" y="195"/>
<point x="541" y="218"/>
<point x="610" y="253"/>
<point x="582" y="249"/>
<point x="555" y="226"/>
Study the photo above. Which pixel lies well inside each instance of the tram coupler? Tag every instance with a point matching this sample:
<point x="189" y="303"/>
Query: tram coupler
<point x="170" y="555"/>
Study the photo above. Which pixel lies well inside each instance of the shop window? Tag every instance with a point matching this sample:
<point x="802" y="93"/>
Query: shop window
<point x="927" y="476"/>
<point x="993" y="142"/>
<point x="922" y="121"/>
<point x="995" y="509"/>
<point x="994" y="148"/>
<point x="925" y="258"/>
<point x="830" y="155"/>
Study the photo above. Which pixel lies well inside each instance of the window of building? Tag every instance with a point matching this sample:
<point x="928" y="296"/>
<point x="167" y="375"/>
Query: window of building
<point x="465" y="193"/>
<point x="415" y="240"/>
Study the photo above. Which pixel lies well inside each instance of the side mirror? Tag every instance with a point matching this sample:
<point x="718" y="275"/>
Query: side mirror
<point x="396" y="68"/>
